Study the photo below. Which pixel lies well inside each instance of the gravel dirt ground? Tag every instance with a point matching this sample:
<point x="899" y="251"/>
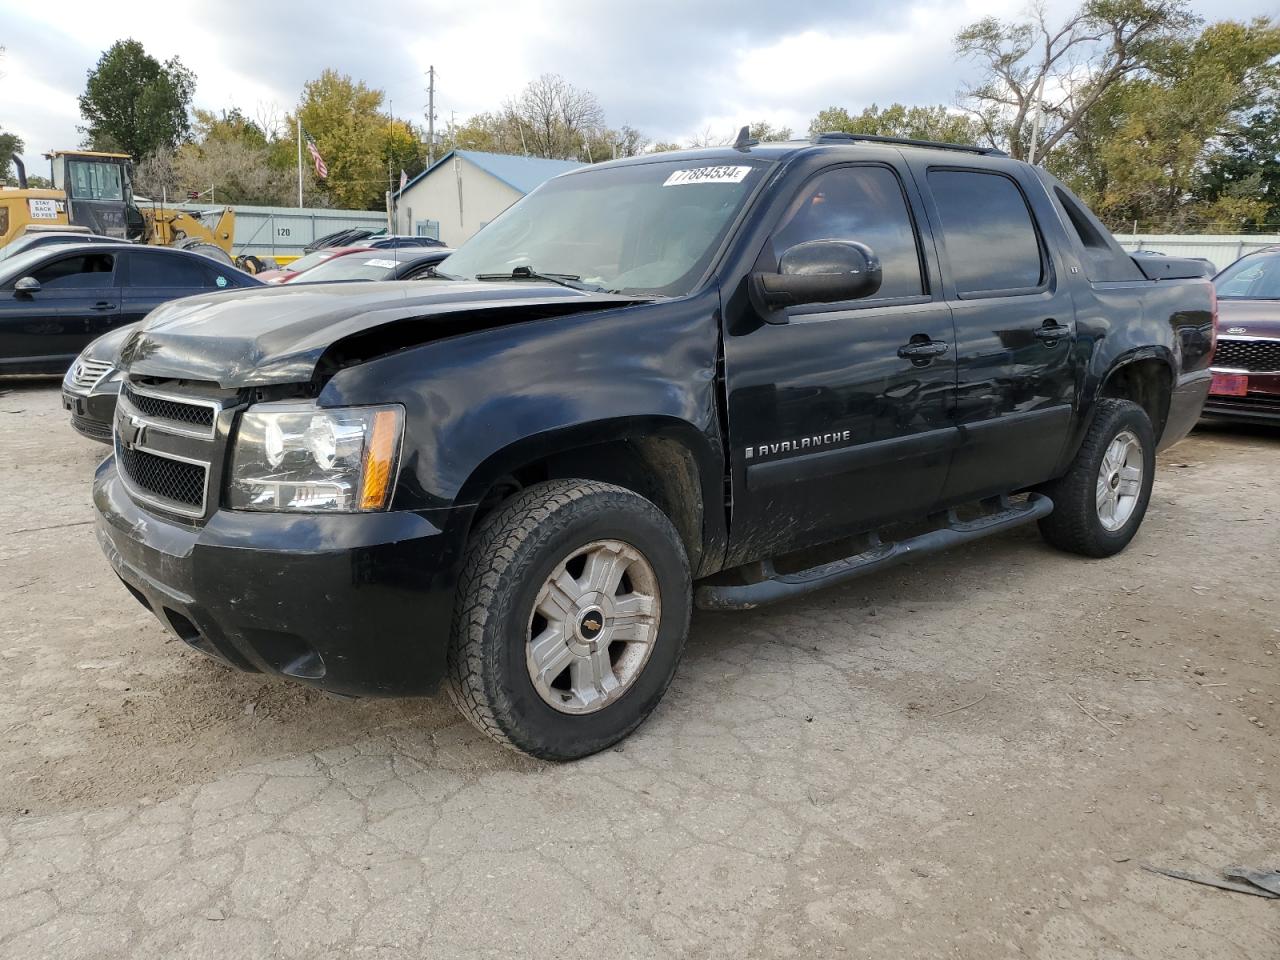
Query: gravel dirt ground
<point x="967" y="757"/>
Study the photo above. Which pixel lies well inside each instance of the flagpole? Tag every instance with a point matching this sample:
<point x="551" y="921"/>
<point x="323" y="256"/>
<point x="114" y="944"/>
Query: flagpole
<point x="299" y="159"/>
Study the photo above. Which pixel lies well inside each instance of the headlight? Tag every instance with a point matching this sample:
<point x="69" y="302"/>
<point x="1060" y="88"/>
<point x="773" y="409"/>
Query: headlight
<point x="297" y="456"/>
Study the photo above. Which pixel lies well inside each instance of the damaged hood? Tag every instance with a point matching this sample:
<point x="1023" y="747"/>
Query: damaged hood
<point x="263" y="336"/>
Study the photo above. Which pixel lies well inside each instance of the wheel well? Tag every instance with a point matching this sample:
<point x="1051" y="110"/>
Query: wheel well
<point x="660" y="469"/>
<point x="1148" y="383"/>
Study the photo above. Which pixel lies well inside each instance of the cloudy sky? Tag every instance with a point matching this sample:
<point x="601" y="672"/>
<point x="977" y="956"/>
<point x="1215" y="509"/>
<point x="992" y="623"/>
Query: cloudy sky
<point x="671" y="68"/>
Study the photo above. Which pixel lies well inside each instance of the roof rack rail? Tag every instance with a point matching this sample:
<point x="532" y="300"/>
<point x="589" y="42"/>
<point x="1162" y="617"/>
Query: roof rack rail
<point x="836" y="136"/>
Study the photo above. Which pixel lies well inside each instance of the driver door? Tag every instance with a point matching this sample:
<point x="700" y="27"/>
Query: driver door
<point x="834" y="426"/>
<point x="78" y="301"/>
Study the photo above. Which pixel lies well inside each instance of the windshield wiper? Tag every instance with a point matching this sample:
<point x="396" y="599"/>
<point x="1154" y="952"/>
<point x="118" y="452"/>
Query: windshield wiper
<point x="570" y="280"/>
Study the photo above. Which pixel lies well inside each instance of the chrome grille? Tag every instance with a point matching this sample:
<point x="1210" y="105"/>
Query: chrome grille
<point x="85" y="374"/>
<point x="174" y="481"/>
<point x="1255" y="356"/>
<point x="167" y="447"/>
<point x="163" y="406"/>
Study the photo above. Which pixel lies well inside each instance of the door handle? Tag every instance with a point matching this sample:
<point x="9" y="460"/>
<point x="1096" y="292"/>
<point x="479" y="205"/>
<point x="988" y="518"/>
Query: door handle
<point x="1052" y="332"/>
<point x="104" y="305"/>
<point x="923" y="350"/>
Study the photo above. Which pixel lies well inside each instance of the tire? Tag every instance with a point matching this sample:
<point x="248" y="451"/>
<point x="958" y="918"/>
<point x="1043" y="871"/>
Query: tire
<point x="506" y="684"/>
<point x="206" y="249"/>
<point x="1084" y="520"/>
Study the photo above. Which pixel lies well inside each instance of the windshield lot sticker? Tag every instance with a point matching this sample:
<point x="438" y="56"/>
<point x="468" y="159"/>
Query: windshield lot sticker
<point x="385" y="264"/>
<point x="707" y="175"/>
<point x="221" y="281"/>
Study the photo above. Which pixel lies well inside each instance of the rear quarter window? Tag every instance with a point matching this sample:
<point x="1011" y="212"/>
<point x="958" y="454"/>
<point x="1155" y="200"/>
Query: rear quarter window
<point x="1102" y="257"/>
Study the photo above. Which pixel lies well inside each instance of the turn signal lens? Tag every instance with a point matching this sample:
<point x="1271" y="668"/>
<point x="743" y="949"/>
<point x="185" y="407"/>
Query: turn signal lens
<point x="379" y="463"/>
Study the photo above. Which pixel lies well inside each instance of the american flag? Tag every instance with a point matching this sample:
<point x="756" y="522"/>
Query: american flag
<point x="322" y="169"/>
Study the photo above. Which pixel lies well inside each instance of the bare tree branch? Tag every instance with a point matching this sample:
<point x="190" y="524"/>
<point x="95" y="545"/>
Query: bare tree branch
<point x="1075" y="63"/>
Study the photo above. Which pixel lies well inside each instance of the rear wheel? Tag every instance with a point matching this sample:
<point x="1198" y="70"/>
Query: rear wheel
<point x="205" y="249"/>
<point x="571" y="615"/>
<point x="1100" y="502"/>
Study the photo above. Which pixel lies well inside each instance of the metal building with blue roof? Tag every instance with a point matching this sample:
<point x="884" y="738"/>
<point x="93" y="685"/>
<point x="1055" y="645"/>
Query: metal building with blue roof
<point x="465" y="189"/>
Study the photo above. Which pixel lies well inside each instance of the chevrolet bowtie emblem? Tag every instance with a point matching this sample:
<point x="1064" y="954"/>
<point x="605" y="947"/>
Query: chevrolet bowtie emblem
<point x="132" y="432"/>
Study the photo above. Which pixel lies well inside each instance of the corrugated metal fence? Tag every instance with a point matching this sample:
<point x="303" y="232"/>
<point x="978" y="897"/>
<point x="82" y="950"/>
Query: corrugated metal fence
<point x="284" y="231"/>
<point x="1222" y="249"/>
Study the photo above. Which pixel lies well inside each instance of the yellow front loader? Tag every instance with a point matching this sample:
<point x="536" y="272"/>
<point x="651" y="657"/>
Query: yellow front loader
<point x="93" y="193"/>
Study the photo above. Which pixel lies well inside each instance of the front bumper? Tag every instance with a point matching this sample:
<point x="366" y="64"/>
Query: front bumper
<point x="356" y="604"/>
<point x="92" y="413"/>
<point x="1261" y="404"/>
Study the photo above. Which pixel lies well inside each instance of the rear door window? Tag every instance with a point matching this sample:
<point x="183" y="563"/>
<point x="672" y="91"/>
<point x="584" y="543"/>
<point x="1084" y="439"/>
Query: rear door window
<point x="84" y="271"/>
<point x="991" y="241"/>
<point x="160" y="270"/>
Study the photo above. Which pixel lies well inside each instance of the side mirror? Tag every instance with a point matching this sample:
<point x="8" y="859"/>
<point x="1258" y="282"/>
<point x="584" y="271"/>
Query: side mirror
<point x="818" y="271"/>
<point x="27" y="285"/>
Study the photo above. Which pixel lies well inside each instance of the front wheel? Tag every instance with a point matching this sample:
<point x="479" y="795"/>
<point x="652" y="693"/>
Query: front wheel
<point x="1100" y="502"/>
<point x="571" y="615"/>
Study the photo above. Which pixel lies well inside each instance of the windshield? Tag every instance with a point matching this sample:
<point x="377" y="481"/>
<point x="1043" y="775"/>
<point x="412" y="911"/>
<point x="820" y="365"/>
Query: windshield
<point x="310" y="260"/>
<point x="17" y="246"/>
<point x="642" y="228"/>
<point x="354" y="266"/>
<point x="1253" y="278"/>
<point x="21" y="264"/>
<point x="95" y="180"/>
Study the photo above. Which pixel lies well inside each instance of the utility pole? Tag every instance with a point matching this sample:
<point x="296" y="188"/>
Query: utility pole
<point x="299" y="158"/>
<point x="430" y="114"/>
<point x="391" y="195"/>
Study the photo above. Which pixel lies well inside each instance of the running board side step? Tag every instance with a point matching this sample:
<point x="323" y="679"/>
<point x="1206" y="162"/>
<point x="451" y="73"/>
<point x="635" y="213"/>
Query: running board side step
<point x="783" y="586"/>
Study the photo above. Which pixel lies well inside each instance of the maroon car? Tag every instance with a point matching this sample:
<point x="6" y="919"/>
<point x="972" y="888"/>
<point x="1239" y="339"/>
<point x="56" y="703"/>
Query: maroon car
<point x="1246" y="363"/>
<point x="303" y="264"/>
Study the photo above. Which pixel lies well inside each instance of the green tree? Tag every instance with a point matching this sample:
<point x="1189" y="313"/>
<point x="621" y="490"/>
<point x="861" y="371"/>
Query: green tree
<point x="766" y="132"/>
<point x="609" y="144"/>
<point x="1246" y="164"/>
<point x="899" y="120"/>
<point x="491" y="132"/>
<point x="134" y="103"/>
<point x="1157" y="148"/>
<point x="1053" y="74"/>
<point x="225" y="127"/>
<point x="344" y="118"/>
<point x="403" y="147"/>
<point x="10" y="144"/>
<point x="363" y="148"/>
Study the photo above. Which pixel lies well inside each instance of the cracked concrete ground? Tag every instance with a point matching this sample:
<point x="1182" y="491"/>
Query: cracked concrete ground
<point x="967" y="757"/>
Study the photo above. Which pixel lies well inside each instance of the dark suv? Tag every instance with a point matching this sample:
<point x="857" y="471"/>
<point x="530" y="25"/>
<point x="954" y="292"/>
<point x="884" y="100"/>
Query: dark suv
<point x="731" y="375"/>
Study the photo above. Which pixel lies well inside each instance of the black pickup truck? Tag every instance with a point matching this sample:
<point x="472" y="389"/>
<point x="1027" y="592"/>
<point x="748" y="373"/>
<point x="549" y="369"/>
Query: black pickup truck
<point x="728" y="376"/>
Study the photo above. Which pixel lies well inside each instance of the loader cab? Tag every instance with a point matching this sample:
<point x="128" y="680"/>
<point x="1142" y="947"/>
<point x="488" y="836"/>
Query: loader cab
<point x="99" y="191"/>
